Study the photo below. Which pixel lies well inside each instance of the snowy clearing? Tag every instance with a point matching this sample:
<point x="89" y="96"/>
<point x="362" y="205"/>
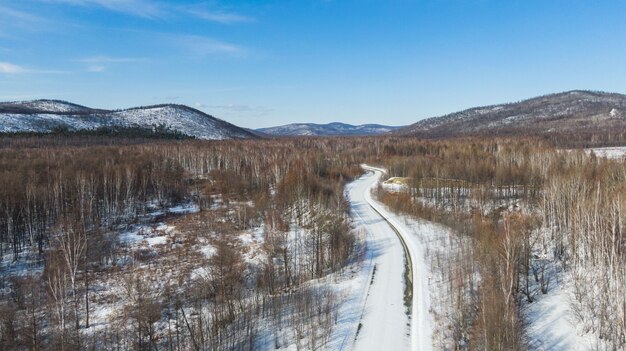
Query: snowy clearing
<point x="609" y="152"/>
<point x="552" y="323"/>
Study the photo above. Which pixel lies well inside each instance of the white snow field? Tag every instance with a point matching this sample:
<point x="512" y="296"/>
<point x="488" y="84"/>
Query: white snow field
<point x="387" y="323"/>
<point x="552" y="324"/>
<point x="617" y="152"/>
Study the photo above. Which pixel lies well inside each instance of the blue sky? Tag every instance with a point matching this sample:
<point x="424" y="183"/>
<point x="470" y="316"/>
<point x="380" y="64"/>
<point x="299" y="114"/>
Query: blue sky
<point x="262" y="63"/>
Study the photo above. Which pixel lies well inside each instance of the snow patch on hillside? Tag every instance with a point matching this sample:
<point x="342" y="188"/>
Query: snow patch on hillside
<point x="336" y="128"/>
<point x="52" y="106"/>
<point x="45" y="116"/>
<point x="12" y="123"/>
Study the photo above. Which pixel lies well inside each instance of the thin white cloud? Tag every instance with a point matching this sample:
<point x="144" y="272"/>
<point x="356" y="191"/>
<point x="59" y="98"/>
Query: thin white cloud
<point x="237" y="108"/>
<point x="14" y="21"/>
<point x="102" y="63"/>
<point x="204" y="46"/>
<point x="18" y="15"/>
<point x="109" y="59"/>
<point x="10" y="68"/>
<point x="155" y="9"/>
<point x="167" y="98"/>
<point x="96" y="68"/>
<point x="219" y="17"/>
<point x="4" y="96"/>
<point x="141" y="8"/>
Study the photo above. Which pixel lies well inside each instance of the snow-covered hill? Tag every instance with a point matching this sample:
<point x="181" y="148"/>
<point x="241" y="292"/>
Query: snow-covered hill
<point x="568" y="112"/>
<point x="48" y="115"/>
<point x="335" y="128"/>
<point x="44" y="106"/>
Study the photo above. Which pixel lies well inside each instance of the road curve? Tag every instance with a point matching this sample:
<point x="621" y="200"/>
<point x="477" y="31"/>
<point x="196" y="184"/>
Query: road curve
<point x="390" y="321"/>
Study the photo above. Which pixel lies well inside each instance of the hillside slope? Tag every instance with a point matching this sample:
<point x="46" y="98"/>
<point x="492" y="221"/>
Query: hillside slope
<point x="336" y="128"/>
<point x="574" y="112"/>
<point x="48" y="115"/>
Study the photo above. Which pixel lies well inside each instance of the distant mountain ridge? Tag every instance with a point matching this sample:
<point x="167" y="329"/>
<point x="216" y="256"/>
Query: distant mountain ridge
<point x="577" y="112"/>
<point x="44" y="116"/>
<point x="590" y="117"/>
<point x="43" y="106"/>
<point x="330" y="129"/>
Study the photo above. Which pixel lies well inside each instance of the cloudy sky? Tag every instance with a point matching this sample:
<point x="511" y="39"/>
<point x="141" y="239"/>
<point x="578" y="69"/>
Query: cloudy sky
<point x="262" y="63"/>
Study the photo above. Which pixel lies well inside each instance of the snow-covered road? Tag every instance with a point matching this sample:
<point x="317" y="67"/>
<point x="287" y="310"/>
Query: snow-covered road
<point x="395" y="317"/>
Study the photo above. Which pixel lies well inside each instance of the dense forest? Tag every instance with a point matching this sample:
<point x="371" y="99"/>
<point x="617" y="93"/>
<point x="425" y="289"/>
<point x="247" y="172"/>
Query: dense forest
<point x="117" y="242"/>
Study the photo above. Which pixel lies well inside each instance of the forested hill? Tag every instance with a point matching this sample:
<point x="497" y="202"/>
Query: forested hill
<point x="44" y="116"/>
<point x="585" y="116"/>
<point x="329" y="129"/>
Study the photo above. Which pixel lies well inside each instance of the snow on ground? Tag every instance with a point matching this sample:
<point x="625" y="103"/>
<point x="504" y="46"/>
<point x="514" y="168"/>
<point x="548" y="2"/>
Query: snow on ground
<point x="100" y="315"/>
<point x="52" y="106"/>
<point x="388" y="320"/>
<point x="28" y="264"/>
<point x="551" y="324"/>
<point x="346" y="288"/>
<point x="42" y="122"/>
<point x="155" y="234"/>
<point x="371" y="312"/>
<point x="144" y="233"/>
<point x="131" y="236"/>
<point x="252" y="241"/>
<point x="208" y="250"/>
<point x="185" y="120"/>
<point x="54" y="114"/>
<point x="617" y="152"/>
<point x="384" y="323"/>
<point x="421" y="322"/>
<point x="395" y="184"/>
<point x="158" y="240"/>
<point x="437" y="249"/>
<point x="110" y="290"/>
<point x="184" y="209"/>
<point x="253" y="237"/>
<point x="351" y="288"/>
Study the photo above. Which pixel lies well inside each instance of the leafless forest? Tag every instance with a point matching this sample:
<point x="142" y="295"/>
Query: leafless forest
<point x="532" y="212"/>
<point x="110" y="243"/>
<point x="64" y="205"/>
